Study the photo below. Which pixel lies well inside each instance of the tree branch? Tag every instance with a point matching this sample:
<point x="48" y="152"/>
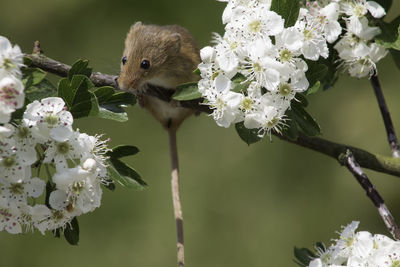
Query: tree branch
<point x="366" y="159"/>
<point x="351" y="164"/>
<point x="391" y="134"/>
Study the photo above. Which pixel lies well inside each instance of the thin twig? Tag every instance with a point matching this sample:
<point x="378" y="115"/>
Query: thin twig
<point x="368" y="160"/>
<point x="351" y="164"/>
<point x="391" y="134"/>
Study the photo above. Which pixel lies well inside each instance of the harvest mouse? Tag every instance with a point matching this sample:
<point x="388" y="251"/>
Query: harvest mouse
<point x="163" y="56"/>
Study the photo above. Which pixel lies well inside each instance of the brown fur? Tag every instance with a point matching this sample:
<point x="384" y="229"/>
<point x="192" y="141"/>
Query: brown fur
<point x="173" y="55"/>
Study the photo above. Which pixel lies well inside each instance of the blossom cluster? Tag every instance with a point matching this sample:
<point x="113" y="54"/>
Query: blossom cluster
<point x="75" y="162"/>
<point x="356" y="249"/>
<point x="256" y="68"/>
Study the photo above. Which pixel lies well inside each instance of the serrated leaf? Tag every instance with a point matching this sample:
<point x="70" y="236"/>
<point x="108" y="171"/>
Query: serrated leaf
<point x="125" y="175"/>
<point x="103" y="93"/>
<point x="111" y="102"/>
<point x="32" y="76"/>
<point x="71" y="232"/>
<point x="249" y="136"/>
<point x="389" y="37"/>
<point x="316" y="72"/>
<point x="306" y="123"/>
<point x="112" y="113"/>
<point x="288" y="9"/>
<point x="240" y="84"/>
<point x="39" y="91"/>
<point x="303" y="255"/>
<point x="302" y="100"/>
<point x="81" y="85"/>
<point x="123" y="151"/>
<point x="122" y="98"/>
<point x="65" y="91"/>
<point x="187" y="91"/>
<point x="80" y="67"/>
<point x="85" y="107"/>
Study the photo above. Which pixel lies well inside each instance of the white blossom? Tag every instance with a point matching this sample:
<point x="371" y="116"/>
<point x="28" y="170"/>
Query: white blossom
<point x="11" y="58"/>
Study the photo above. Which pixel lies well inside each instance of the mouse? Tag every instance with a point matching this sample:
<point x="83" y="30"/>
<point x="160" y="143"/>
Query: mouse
<point x="163" y="57"/>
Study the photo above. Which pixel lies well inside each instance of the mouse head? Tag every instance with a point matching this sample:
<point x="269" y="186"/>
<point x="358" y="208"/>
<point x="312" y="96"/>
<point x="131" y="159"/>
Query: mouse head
<point x="149" y="52"/>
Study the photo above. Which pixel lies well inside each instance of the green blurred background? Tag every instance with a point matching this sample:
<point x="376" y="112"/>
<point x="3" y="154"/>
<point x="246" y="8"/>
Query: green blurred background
<point x="243" y="206"/>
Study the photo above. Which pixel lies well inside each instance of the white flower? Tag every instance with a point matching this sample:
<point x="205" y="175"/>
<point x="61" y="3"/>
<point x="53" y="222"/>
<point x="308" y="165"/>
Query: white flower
<point x="62" y="153"/>
<point x="53" y="219"/>
<point x="11" y="96"/>
<point x="327" y="18"/>
<point x="359" y="8"/>
<point x="9" y="216"/>
<point x="11" y="58"/>
<point x="15" y="164"/>
<point x="253" y="23"/>
<point x="314" y="44"/>
<point x="50" y="119"/>
<point x="19" y="191"/>
<point x="82" y="189"/>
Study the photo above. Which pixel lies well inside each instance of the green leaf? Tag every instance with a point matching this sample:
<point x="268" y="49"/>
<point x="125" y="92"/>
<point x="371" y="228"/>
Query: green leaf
<point x="80" y="101"/>
<point x="314" y="89"/>
<point x="316" y="72"/>
<point x="39" y="91"/>
<point x="80" y="67"/>
<point x="71" y="232"/>
<point x="85" y="106"/>
<point x="103" y="93"/>
<point x="65" y="91"/>
<point x="122" y="98"/>
<point x="123" y="151"/>
<point x="288" y="9"/>
<point x="249" y="136"/>
<point x="187" y="91"/>
<point x="290" y="131"/>
<point x="302" y="99"/>
<point x="32" y="76"/>
<point x="110" y="103"/>
<point x="197" y="71"/>
<point x="81" y="85"/>
<point x="306" y="123"/>
<point x="27" y="61"/>
<point x="112" y="113"/>
<point x="303" y="255"/>
<point x="240" y="85"/>
<point x="389" y="37"/>
<point x="125" y="175"/>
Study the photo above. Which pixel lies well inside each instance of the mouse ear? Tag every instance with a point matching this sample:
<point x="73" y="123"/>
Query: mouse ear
<point x="173" y="41"/>
<point x="137" y="24"/>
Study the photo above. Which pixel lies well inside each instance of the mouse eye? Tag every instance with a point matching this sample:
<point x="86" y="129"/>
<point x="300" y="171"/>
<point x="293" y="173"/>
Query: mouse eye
<point x="145" y="64"/>
<point x="124" y="59"/>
